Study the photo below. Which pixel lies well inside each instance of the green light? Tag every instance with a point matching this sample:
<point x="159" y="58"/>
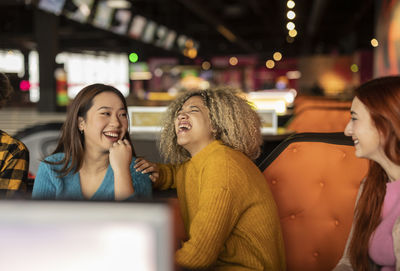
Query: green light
<point x="354" y="68"/>
<point x="133" y="57"/>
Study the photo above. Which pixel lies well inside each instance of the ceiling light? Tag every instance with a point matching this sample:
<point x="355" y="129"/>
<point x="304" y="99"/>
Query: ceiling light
<point x="291" y="15"/>
<point x="233" y="61"/>
<point x="290" y="25"/>
<point x="277" y="56"/>
<point x="290" y="4"/>
<point x="270" y="64"/>
<point x="293" y="33"/>
<point x="374" y="42"/>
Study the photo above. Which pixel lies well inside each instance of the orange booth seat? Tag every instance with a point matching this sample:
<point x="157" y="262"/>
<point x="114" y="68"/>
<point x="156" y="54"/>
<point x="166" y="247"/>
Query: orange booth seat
<point x="320" y="119"/>
<point x="314" y="178"/>
<point x="302" y="102"/>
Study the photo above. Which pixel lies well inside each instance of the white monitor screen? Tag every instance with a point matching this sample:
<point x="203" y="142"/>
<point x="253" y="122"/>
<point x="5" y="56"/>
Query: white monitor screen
<point x="85" y="236"/>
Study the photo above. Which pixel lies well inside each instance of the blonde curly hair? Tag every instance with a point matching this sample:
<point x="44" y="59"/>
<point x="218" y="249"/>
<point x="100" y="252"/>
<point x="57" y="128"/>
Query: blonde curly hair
<point x="237" y="125"/>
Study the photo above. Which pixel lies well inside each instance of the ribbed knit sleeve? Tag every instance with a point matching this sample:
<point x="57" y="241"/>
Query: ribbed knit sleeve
<point x="43" y="187"/>
<point x="167" y="178"/>
<point x="209" y="230"/>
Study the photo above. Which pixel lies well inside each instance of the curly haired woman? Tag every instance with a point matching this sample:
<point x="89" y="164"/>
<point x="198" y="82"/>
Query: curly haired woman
<point x="374" y="243"/>
<point x="209" y="139"/>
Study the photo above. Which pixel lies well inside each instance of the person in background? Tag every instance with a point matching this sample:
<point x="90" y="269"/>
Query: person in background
<point x="14" y="156"/>
<point x="209" y="138"/>
<point x="94" y="157"/>
<point x="374" y="241"/>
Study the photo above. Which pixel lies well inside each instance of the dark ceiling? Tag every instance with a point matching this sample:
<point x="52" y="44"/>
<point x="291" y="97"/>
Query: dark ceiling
<point x="258" y="27"/>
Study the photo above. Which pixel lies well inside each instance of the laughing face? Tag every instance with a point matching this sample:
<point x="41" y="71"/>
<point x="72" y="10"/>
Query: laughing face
<point x="193" y="126"/>
<point x="364" y="133"/>
<point x="106" y="122"/>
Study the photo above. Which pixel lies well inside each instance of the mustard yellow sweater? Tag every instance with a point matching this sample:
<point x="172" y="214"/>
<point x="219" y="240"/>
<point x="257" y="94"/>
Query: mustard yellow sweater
<point x="228" y="212"/>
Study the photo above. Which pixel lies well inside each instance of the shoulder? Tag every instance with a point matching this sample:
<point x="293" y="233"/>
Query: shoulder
<point x="55" y="157"/>
<point x="11" y="144"/>
<point x="226" y="156"/>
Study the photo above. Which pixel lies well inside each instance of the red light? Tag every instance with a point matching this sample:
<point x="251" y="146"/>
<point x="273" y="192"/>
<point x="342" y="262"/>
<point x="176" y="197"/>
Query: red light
<point x="24" y="85"/>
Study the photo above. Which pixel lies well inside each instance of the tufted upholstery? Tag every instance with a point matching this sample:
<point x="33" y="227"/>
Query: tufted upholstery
<point x="314" y="179"/>
<point x="302" y="102"/>
<point x="320" y="119"/>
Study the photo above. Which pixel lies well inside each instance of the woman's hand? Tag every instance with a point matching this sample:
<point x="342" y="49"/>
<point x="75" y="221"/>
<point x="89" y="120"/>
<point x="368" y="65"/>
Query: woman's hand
<point x="120" y="159"/>
<point x="120" y="155"/>
<point x="145" y="166"/>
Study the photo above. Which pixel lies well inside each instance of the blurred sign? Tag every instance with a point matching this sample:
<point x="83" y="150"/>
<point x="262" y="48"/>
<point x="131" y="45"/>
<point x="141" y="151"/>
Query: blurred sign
<point x="120" y="21"/>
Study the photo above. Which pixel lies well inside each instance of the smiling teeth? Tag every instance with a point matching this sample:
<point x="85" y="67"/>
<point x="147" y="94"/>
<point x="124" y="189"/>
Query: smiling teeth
<point x="111" y="134"/>
<point x="187" y="126"/>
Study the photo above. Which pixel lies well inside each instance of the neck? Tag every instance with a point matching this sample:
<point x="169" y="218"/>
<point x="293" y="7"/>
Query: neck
<point x="95" y="162"/>
<point x="391" y="169"/>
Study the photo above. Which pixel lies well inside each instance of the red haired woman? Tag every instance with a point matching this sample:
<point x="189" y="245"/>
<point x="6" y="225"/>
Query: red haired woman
<point x="374" y="243"/>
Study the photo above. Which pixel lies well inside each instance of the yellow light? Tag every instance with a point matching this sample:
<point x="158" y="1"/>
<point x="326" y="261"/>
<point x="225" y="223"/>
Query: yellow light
<point x="293" y="33"/>
<point x="290" y="4"/>
<point x="233" y="61"/>
<point x="277" y="56"/>
<point x="290" y="25"/>
<point x="374" y="42"/>
<point x="192" y="53"/>
<point x="289" y="39"/>
<point x="291" y="15"/>
<point x="270" y="64"/>
<point x="206" y="65"/>
<point x="189" y="43"/>
<point x="354" y="68"/>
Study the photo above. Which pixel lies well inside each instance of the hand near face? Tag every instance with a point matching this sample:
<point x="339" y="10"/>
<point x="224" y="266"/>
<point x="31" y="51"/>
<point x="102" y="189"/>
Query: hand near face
<point x="145" y="166"/>
<point x="120" y="155"/>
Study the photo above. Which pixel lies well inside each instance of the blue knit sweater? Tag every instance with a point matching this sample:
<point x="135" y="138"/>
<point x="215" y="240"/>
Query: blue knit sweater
<point x="48" y="185"/>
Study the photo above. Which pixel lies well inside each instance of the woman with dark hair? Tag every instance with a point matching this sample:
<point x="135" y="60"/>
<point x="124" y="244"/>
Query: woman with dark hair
<point x="374" y="242"/>
<point x="94" y="157"/>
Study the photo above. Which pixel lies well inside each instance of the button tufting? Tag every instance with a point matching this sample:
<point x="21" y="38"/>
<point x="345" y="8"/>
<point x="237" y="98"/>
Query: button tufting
<point x="294" y="150"/>
<point x="337" y="222"/>
<point x="322" y="184"/>
<point x="273" y="181"/>
<point x="292" y="217"/>
<point x="344" y="155"/>
<point x="315" y="254"/>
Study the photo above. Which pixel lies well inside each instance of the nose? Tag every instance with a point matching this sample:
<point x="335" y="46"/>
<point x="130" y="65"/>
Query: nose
<point x="115" y="121"/>
<point x="182" y="116"/>
<point x="348" y="130"/>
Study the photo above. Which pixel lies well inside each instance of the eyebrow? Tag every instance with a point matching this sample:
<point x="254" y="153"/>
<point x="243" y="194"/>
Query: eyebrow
<point x="191" y="106"/>
<point x="109" y="108"/>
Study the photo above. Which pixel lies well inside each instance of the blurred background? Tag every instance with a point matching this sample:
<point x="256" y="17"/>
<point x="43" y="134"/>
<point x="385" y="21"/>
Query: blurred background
<point x="275" y="51"/>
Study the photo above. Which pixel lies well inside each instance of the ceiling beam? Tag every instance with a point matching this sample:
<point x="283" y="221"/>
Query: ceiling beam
<point x="206" y="15"/>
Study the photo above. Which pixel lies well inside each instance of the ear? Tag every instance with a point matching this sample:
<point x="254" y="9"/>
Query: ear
<point x="81" y="123"/>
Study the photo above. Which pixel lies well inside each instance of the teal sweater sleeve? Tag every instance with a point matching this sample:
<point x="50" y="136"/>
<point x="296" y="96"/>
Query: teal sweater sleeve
<point x="48" y="184"/>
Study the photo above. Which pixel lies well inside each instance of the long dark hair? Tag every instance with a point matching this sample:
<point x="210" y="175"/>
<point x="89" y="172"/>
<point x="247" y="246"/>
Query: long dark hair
<point x="72" y="142"/>
<point x="382" y="98"/>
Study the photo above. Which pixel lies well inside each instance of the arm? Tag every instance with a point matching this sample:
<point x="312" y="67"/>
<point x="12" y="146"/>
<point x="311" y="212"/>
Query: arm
<point x="396" y="242"/>
<point x="209" y="229"/>
<point x="162" y="175"/>
<point x="216" y="216"/>
<point x="141" y="183"/>
<point x="344" y="263"/>
<point x="15" y="171"/>
<point x="43" y="187"/>
<point x="120" y="160"/>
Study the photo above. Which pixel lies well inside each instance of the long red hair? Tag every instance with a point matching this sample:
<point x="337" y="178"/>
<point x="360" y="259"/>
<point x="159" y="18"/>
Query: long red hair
<point x="382" y="98"/>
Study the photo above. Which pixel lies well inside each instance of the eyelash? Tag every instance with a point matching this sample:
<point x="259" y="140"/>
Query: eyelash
<point x="109" y="114"/>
